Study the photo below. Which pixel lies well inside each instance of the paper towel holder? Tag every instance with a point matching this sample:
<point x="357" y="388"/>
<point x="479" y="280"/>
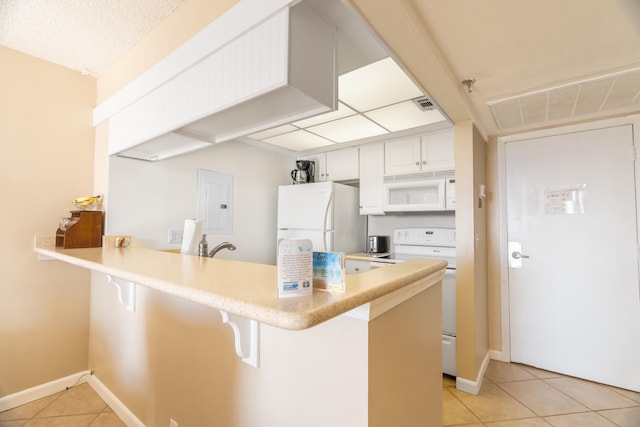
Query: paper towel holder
<point x="191" y="236"/>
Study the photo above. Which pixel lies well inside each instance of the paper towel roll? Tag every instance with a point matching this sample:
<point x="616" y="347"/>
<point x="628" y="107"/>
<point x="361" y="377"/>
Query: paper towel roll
<point x="191" y="235"/>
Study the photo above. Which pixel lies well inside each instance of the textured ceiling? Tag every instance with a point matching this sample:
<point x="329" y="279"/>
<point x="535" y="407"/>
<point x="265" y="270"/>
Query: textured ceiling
<point x="536" y="63"/>
<point x="84" y="35"/>
<point x="519" y="48"/>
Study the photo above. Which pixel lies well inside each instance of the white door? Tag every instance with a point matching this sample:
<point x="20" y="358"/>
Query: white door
<point x="574" y="301"/>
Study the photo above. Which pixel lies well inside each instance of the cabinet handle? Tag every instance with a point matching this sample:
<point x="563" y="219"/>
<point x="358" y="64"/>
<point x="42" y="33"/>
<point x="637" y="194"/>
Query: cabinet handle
<point x="417" y="163"/>
<point x="424" y="162"/>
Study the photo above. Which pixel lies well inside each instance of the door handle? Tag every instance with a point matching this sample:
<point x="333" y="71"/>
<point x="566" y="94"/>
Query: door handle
<point x="518" y="255"/>
<point x="515" y="254"/>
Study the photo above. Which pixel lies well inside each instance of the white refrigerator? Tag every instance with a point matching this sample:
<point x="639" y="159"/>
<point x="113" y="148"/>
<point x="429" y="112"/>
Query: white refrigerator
<point x="327" y="213"/>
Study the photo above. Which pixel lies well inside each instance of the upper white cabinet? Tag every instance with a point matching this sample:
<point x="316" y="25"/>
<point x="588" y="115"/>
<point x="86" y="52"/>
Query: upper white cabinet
<point x="371" y="179"/>
<point x="427" y="153"/>
<point x="342" y="165"/>
<point x="337" y="165"/>
<point x="280" y="69"/>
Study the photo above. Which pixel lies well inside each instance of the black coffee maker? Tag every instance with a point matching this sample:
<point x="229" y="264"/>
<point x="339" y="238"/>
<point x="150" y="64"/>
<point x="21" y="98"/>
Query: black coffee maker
<point x="304" y="172"/>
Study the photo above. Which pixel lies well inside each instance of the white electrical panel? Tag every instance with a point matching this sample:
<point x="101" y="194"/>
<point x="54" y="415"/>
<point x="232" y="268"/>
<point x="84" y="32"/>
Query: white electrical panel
<point x="215" y="201"/>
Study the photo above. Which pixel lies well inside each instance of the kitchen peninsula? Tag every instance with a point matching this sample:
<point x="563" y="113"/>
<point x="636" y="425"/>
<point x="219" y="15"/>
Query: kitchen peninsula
<point x="368" y="357"/>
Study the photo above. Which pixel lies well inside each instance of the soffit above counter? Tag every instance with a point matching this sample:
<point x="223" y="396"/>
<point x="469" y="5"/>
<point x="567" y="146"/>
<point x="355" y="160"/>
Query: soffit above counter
<point x="236" y="91"/>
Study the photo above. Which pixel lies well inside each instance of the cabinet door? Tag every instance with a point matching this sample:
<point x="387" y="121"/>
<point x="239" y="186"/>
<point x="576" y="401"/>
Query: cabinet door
<point x="371" y="179"/>
<point x="342" y="164"/>
<point x="437" y="152"/>
<point x="402" y="156"/>
<point x="319" y="172"/>
<point x="356" y="266"/>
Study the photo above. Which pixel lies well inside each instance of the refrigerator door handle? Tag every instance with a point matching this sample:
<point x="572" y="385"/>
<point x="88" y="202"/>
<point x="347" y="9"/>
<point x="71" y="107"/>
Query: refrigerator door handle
<point x="324" y="223"/>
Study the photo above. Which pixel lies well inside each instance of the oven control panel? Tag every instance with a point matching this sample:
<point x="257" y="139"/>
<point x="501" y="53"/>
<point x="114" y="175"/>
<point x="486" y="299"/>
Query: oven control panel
<point x="425" y="236"/>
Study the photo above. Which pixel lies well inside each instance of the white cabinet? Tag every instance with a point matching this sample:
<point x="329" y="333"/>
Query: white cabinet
<point x="337" y="165"/>
<point x="433" y="152"/>
<point x="225" y="81"/>
<point x="356" y="266"/>
<point x="371" y="179"/>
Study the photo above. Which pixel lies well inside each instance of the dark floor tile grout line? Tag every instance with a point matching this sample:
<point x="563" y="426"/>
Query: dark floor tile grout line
<point x="539" y="415"/>
<point x="465" y="406"/>
<point x="60" y="393"/>
<point x="600" y="385"/>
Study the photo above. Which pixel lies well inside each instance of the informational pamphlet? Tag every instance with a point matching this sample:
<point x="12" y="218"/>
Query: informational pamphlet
<point x="295" y="267"/>
<point x="329" y="271"/>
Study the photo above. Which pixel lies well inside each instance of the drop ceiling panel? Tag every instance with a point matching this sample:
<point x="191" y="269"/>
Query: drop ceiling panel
<point x="273" y="132"/>
<point x="626" y="91"/>
<point x="376" y="85"/>
<point x="507" y="114"/>
<point x="348" y="129"/>
<point x="342" y="111"/>
<point x="592" y="96"/>
<point x="404" y="115"/>
<point x="534" y="108"/>
<point x="562" y="102"/>
<point x="298" y="140"/>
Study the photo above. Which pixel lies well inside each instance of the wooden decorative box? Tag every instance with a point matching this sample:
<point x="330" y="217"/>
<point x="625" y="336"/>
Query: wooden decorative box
<point x="86" y="232"/>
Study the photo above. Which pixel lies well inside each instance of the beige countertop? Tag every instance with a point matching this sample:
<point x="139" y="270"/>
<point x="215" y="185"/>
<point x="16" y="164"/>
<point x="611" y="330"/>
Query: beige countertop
<point x="242" y="288"/>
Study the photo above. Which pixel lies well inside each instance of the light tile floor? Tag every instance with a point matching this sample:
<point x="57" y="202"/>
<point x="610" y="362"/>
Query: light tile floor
<point x="77" y="406"/>
<point x="514" y="395"/>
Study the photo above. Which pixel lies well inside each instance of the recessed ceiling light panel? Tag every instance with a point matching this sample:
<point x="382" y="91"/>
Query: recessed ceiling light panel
<point x="273" y="132"/>
<point x="342" y="111"/>
<point x="298" y="140"/>
<point x="376" y="85"/>
<point x="348" y="129"/>
<point x="405" y="115"/>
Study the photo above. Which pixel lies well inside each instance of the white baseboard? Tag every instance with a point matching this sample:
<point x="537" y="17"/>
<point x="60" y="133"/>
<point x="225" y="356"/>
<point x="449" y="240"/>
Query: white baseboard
<point x="116" y="404"/>
<point x="473" y="387"/>
<point x="43" y="390"/>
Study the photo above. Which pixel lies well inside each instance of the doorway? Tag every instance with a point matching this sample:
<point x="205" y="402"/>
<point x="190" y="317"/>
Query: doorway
<point x="571" y="253"/>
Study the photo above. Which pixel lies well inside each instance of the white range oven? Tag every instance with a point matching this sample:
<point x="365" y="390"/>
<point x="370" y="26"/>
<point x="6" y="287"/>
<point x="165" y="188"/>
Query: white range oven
<point x="431" y="243"/>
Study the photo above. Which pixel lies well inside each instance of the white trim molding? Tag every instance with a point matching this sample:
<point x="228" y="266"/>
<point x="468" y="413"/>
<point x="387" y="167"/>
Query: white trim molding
<point x="473" y="387"/>
<point x="43" y="390"/>
<point x="116" y="404"/>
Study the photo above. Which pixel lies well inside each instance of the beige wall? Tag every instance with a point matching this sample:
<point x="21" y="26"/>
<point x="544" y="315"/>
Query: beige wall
<point x="471" y="255"/>
<point x="409" y="40"/>
<point x="186" y="21"/>
<point x="46" y="143"/>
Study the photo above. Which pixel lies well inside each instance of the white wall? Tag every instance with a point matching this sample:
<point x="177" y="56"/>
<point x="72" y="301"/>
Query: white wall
<point x="146" y="199"/>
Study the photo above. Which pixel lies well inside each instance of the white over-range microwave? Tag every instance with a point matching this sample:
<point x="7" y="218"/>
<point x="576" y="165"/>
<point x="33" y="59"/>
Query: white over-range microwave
<point x="435" y="194"/>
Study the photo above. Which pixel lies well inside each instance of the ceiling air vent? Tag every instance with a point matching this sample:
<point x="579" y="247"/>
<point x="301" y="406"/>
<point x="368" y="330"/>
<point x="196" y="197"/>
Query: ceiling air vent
<point x="610" y="94"/>
<point x="424" y="103"/>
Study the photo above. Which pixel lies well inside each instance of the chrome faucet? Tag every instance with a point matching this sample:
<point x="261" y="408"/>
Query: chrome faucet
<point x="221" y="246"/>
